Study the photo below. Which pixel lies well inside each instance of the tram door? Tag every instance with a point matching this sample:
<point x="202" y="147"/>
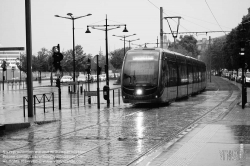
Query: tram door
<point x="172" y="84"/>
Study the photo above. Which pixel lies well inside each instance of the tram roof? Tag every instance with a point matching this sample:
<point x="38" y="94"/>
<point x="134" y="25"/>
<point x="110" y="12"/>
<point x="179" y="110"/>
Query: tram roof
<point x="168" y="51"/>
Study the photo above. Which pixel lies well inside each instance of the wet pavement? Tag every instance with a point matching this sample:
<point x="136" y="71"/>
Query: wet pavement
<point x="222" y="141"/>
<point x="177" y="134"/>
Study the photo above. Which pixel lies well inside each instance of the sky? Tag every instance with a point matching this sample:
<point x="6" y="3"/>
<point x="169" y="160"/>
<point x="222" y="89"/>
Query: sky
<point x="142" y="18"/>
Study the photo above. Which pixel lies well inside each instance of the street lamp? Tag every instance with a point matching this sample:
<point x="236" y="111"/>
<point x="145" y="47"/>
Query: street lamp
<point x="73" y="19"/>
<point x="106" y="38"/>
<point x="124" y="39"/>
<point x="130" y="41"/>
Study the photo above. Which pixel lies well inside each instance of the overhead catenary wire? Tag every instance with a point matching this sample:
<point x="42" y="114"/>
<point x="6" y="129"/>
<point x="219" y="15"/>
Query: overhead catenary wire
<point x="214" y="16"/>
<point x="206" y="32"/>
<point x="195" y="18"/>
<point x="191" y="22"/>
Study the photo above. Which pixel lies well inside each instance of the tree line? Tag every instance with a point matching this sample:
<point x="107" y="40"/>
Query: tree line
<point x="43" y="62"/>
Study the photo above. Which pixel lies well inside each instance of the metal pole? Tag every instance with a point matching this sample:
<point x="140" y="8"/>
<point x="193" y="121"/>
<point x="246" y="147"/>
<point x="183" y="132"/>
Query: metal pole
<point x="3" y="80"/>
<point x="89" y="97"/>
<point x="24" y="106"/>
<point x="74" y="69"/>
<point x="29" y="57"/>
<point x="78" y="95"/>
<point x="113" y="97"/>
<point x="119" y="96"/>
<point x="243" y="84"/>
<point x="210" y="56"/>
<point x="157" y="41"/>
<point x="34" y="98"/>
<point x="53" y="98"/>
<point x="124" y="45"/>
<point x="44" y="103"/>
<point x="98" y="89"/>
<point x="59" y="95"/>
<point x="107" y="63"/>
<point x="161" y="27"/>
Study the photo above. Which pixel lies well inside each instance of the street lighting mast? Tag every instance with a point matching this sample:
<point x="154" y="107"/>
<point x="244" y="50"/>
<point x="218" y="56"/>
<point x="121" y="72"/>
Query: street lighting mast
<point x="73" y="25"/>
<point x="124" y="39"/>
<point x="106" y="39"/>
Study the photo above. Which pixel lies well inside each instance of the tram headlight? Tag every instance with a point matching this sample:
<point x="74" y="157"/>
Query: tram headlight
<point x="139" y="92"/>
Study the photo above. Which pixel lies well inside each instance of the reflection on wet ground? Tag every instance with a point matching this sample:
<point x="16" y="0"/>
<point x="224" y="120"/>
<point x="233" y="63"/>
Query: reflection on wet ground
<point x="114" y="136"/>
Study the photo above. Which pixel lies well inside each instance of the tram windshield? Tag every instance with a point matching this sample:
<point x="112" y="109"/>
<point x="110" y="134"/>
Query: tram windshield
<point x="141" y="68"/>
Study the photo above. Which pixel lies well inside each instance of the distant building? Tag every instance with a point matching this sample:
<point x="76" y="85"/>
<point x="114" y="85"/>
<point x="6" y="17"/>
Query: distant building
<point x="203" y="44"/>
<point x="11" y="58"/>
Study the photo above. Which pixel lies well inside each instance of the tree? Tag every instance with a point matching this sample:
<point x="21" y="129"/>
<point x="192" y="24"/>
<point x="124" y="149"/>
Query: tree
<point x="116" y="57"/>
<point x="80" y="59"/>
<point x="40" y="62"/>
<point x="23" y="63"/>
<point x="186" y="45"/>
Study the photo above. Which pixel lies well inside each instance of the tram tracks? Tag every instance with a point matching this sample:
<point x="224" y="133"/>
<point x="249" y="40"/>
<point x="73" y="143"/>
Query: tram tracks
<point x="189" y="126"/>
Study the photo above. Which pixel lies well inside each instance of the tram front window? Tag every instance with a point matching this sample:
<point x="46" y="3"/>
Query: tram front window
<point x="141" y="68"/>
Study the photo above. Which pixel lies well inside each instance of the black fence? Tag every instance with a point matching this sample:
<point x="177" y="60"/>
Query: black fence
<point x="40" y="98"/>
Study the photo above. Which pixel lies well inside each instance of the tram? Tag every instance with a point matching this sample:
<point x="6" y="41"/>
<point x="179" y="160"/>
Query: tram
<point x="155" y="75"/>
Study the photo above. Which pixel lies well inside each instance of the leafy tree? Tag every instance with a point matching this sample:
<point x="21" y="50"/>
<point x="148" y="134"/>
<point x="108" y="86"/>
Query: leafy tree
<point x="40" y="62"/>
<point x="186" y="45"/>
<point x="80" y="59"/>
<point x="117" y="56"/>
<point x="23" y="63"/>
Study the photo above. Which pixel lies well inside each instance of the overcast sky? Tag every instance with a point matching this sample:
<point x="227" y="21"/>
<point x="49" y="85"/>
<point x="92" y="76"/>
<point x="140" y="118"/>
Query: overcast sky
<point x="141" y="16"/>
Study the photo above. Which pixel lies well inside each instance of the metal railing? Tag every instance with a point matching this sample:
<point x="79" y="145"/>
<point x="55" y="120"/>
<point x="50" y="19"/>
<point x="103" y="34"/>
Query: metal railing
<point x="40" y="98"/>
<point x="114" y="91"/>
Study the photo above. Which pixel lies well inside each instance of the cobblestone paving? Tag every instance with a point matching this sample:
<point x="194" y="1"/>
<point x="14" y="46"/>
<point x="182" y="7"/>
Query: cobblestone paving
<point x="115" y="136"/>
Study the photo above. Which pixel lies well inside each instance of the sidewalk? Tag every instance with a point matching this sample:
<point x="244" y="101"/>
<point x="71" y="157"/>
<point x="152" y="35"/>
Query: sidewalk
<point x="225" y="142"/>
<point x="12" y="113"/>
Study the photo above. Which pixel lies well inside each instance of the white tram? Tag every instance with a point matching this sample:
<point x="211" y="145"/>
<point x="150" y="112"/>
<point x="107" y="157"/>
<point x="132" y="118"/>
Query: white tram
<point x="155" y="75"/>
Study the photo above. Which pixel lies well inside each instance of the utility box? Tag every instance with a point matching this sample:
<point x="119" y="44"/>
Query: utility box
<point x="106" y="92"/>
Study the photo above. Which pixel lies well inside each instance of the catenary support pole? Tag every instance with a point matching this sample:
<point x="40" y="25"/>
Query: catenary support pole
<point x="29" y="57"/>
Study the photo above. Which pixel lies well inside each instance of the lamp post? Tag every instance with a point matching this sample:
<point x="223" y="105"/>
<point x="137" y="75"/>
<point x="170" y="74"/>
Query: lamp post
<point x="106" y="38"/>
<point x="242" y="56"/>
<point x="73" y="19"/>
<point x="124" y="37"/>
<point x="129" y="41"/>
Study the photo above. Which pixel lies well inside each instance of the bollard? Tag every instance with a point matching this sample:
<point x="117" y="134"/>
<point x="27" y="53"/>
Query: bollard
<point x="70" y="100"/>
<point x="78" y="95"/>
<point x="69" y="88"/>
<point x="119" y="96"/>
<point x="81" y="89"/>
<point x="84" y="96"/>
<point x="44" y="103"/>
<point x="34" y="100"/>
<point x="53" y="101"/>
<point x="23" y="106"/>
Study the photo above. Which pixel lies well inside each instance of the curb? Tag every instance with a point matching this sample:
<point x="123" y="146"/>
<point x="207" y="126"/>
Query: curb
<point x="17" y="126"/>
<point x="13" y="127"/>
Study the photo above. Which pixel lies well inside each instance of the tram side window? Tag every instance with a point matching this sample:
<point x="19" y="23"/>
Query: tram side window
<point x="183" y="74"/>
<point x="164" y="73"/>
<point x="195" y="74"/>
<point x="190" y="74"/>
<point x="172" y="74"/>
